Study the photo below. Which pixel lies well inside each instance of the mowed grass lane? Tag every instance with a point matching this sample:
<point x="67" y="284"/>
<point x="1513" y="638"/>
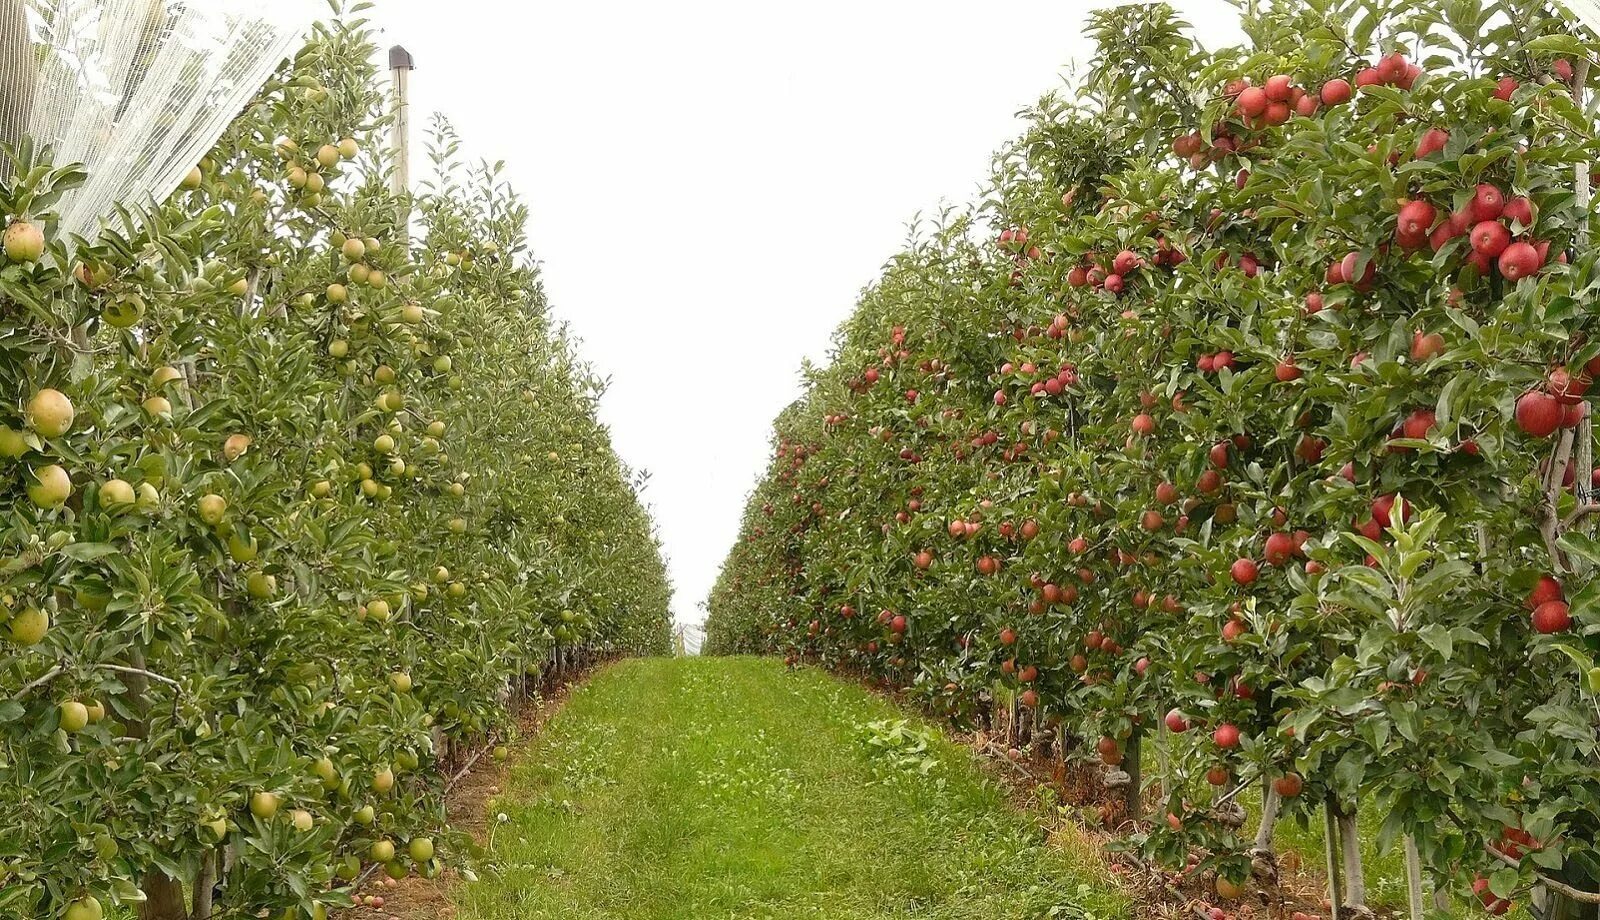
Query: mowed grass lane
<point x="700" y="789"/>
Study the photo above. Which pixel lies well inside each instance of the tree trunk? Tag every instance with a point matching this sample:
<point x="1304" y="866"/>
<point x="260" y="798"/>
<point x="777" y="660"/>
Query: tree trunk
<point x="1130" y="763"/>
<point x="1330" y="839"/>
<point x="163" y="898"/>
<point x="1269" y="817"/>
<point x="1413" y="878"/>
<point x="1355" y="885"/>
<point x="204" y="881"/>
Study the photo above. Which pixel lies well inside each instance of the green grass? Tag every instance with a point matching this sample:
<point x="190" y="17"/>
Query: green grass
<point x="702" y="789"/>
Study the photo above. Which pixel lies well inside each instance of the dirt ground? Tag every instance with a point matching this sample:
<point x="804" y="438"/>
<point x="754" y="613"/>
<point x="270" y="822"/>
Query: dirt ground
<point x="467" y="804"/>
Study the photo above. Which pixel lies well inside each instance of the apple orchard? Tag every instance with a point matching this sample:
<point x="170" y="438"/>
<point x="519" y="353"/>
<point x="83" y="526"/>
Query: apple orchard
<point x="297" y="489"/>
<point x="1248" y="415"/>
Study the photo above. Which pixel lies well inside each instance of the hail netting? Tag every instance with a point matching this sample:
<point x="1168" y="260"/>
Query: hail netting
<point x="135" y="90"/>
<point x="1587" y="11"/>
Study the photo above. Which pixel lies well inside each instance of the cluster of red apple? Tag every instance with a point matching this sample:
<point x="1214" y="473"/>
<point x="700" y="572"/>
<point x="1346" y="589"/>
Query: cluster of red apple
<point x="1483" y="220"/>
<point x="1047" y="384"/>
<point x="1113" y="278"/>
<point x="1549" y="605"/>
<point x="1016" y="240"/>
<point x="1215" y="363"/>
<point x="1492" y="903"/>
<point x="1558" y="404"/>
<point x="1272" y="104"/>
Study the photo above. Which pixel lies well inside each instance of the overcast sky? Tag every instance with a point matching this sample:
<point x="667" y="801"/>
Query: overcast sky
<point x="712" y="184"/>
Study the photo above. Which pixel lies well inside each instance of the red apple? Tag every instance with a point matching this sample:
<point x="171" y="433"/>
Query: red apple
<point x="1289" y="785"/>
<point x="1552" y="617"/>
<point x="1519" y="260"/>
<point x="1226" y="736"/>
<point x="1547" y="588"/>
<point x="1538" y="413"/>
<point x="1489" y="238"/>
<point x="1244" y="571"/>
<point x="1433" y="140"/>
<point x="1487" y="203"/>
<point x="1335" y="92"/>
<point x="1416" y="219"/>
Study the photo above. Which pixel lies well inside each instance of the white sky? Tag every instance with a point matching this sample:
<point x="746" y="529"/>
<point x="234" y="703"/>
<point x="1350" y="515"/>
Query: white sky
<point x="712" y="184"/>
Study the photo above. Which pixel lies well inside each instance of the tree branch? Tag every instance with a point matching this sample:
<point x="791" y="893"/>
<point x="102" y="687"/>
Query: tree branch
<point x="1578" y="514"/>
<point x="1576" y="894"/>
<point x="39" y="681"/>
<point x="141" y="672"/>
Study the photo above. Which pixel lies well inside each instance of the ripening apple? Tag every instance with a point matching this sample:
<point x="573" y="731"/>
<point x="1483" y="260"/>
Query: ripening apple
<point x="23" y="242"/>
<point x="234" y="446"/>
<point x="1416" y="219"/>
<point x="49" y="486"/>
<point x="261" y="585"/>
<point x="1519" y="260"/>
<point x="1547" y="588"/>
<point x="264" y="804"/>
<point x="383" y="781"/>
<point x="29" y="626"/>
<point x="50" y="413"/>
<point x="1289" y="785"/>
<point x="116" y="493"/>
<point x="212" y="508"/>
<point x="1488" y="203"/>
<point x="13" y="443"/>
<point x="84" y="908"/>
<point x="73" y="716"/>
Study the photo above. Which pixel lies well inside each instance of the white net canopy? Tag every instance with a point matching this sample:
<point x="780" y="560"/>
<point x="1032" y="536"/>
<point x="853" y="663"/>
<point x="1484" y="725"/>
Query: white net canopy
<point x="1587" y="12"/>
<point x="135" y="90"/>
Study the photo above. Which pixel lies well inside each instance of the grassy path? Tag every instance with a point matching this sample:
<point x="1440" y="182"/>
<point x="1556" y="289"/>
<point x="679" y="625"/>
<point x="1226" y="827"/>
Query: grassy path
<point x="703" y="789"/>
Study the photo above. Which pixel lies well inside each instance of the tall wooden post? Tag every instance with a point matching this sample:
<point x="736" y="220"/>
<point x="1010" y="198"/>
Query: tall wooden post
<point x="400" y="66"/>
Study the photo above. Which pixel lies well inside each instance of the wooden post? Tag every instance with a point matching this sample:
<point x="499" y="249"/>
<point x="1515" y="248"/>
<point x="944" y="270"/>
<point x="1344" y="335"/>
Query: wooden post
<point x="400" y="66"/>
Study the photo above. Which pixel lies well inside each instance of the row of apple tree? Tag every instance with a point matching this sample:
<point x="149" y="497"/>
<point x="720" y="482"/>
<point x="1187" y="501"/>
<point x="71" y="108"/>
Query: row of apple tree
<point x="1247" y="413"/>
<point x="300" y="479"/>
